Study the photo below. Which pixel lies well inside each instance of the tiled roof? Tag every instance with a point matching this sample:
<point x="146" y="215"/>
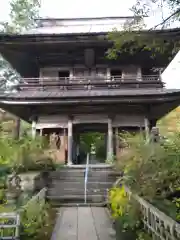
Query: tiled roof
<point x="50" y="26"/>
<point x="86" y="93"/>
<point x="79" y="25"/>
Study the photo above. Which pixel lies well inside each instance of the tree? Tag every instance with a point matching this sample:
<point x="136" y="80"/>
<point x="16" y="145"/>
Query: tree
<point x="146" y="7"/>
<point x="22" y="17"/>
<point x="134" y="38"/>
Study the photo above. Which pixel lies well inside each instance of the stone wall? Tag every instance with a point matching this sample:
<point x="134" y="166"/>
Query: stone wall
<point x="28" y="181"/>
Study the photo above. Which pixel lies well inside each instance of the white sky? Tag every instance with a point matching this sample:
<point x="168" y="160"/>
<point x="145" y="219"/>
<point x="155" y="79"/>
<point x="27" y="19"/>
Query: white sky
<point x="84" y="8"/>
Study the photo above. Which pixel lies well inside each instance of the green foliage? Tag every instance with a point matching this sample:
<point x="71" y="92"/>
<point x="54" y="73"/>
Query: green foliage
<point x="126" y="213"/>
<point x="153" y="170"/>
<point x="134" y="38"/>
<point x="37" y="221"/>
<point x="89" y="139"/>
<point x="177" y="202"/>
<point x="2" y="196"/>
<point x="111" y="159"/>
<point x="22" y="15"/>
<point x="124" y="208"/>
<point x="141" y="235"/>
<point x="133" y="41"/>
<point x="7" y="231"/>
<point x="170" y="123"/>
<point x="34" y="218"/>
<point x="96" y="139"/>
<point x="25" y="154"/>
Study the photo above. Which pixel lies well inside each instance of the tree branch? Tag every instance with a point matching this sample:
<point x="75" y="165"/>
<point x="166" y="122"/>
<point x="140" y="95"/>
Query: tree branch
<point x="166" y="19"/>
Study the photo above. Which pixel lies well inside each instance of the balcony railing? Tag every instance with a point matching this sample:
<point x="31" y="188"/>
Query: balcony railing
<point x="87" y="83"/>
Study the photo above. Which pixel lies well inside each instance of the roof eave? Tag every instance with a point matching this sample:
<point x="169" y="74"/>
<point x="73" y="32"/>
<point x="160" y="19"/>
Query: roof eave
<point x="150" y="98"/>
<point x="43" y="35"/>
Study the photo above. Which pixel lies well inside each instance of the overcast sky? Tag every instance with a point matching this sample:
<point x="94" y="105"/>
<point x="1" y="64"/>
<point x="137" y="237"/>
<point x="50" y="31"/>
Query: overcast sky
<point x="84" y="8"/>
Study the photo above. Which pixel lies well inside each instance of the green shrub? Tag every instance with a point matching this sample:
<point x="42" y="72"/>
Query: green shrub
<point x="2" y="196"/>
<point x="153" y="170"/>
<point x="37" y="221"/>
<point x="125" y="212"/>
<point x="25" y="154"/>
<point x="6" y="232"/>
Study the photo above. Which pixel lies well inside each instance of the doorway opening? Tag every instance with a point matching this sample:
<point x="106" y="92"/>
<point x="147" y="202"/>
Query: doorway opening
<point x="63" y="74"/>
<point x="92" y="139"/>
<point x="95" y="144"/>
<point x="116" y="73"/>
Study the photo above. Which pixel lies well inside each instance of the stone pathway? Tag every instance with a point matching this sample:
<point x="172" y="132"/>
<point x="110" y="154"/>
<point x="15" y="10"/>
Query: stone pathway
<point x="80" y="223"/>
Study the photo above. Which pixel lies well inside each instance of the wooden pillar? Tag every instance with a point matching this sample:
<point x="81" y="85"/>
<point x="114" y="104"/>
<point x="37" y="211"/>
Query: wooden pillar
<point x="77" y="147"/>
<point x="110" y="139"/>
<point x="16" y="129"/>
<point x="106" y="144"/>
<point x="70" y="141"/>
<point x="41" y="132"/>
<point x="65" y="144"/>
<point x="147" y="130"/>
<point x="117" y="140"/>
<point x="33" y="129"/>
<point x="139" y="74"/>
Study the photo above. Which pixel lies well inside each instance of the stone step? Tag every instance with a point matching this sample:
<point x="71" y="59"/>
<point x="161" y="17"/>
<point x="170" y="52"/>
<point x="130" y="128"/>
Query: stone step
<point x="81" y="169"/>
<point x="82" y="175"/>
<point x="53" y="191"/>
<point x="78" y="191"/>
<point x="67" y="185"/>
<point x="75" y="169"/>
<point x="96" y="198"/>
<point x="79" y="183"/>
<point x="103" y="204"/>
<point x="74" y="186"/>
<point x="92" y="166"/>
<point x="80" y="179"/>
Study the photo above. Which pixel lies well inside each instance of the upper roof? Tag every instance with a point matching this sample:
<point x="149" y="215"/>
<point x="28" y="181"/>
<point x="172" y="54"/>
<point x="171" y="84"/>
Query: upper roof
<point x="65" y="27"/>
<point x="79" y="25"/>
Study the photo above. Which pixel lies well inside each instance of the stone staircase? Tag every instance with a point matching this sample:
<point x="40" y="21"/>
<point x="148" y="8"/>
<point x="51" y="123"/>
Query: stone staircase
<point x="66" y="185"/>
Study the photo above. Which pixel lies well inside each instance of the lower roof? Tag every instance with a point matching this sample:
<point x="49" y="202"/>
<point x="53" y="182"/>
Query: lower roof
<point x="120" y="95"/>
<point x="25" y="104"/>
<point x="55" y="94"/>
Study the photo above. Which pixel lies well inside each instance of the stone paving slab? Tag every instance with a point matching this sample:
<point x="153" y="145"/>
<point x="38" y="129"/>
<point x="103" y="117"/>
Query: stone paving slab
<point x="86" y="228"/>
<point x="83" y="223"/>
<point x="102" y="223"/>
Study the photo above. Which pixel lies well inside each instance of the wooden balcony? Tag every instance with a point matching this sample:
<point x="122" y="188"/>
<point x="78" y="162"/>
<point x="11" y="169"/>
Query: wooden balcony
<point x="87" y="83"/>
